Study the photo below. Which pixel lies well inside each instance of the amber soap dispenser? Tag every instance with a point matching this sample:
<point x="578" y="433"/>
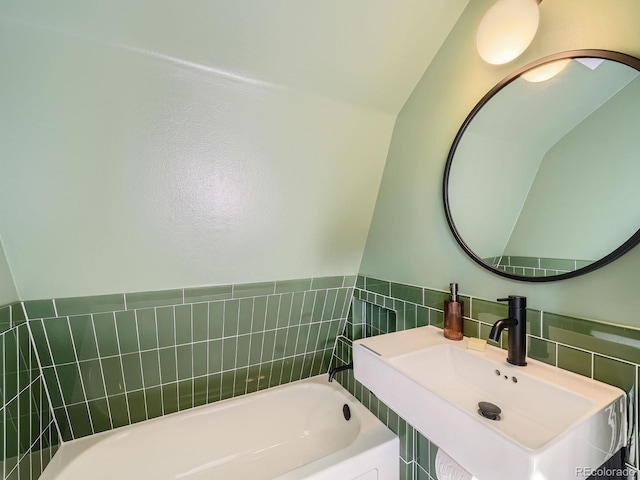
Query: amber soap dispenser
<point x="453" y="313"/>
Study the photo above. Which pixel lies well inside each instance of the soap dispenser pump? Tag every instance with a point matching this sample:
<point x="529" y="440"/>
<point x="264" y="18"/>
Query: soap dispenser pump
<point x="453" y="315"/>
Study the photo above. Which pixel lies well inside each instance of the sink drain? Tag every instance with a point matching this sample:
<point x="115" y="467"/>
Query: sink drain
<point x="489" y="410"/>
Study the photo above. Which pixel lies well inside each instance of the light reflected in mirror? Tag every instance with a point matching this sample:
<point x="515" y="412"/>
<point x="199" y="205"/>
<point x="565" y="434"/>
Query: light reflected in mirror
<point x="541" y="182"/>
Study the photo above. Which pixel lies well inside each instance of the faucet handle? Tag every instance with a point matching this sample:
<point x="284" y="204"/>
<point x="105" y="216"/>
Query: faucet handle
<point x="515" y="301"/>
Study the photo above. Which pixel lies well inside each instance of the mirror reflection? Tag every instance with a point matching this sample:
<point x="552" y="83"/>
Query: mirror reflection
<point x="543" y="179"/>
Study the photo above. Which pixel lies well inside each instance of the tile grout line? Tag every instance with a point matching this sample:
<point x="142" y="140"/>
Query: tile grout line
<point x="84" y="392"/>
<point x="55" y="372"/>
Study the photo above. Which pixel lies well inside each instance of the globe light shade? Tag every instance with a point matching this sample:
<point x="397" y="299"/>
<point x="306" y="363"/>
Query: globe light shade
<point x="506" y="30"/>
<point x="545" y="72"/>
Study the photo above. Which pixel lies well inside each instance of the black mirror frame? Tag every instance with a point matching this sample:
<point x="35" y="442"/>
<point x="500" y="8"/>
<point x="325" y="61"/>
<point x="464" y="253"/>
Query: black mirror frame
<point x="628" y="60"/>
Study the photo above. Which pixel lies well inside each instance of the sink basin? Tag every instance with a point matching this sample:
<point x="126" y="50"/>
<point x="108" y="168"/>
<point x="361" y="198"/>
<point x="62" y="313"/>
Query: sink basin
<point x="552" y="422"/>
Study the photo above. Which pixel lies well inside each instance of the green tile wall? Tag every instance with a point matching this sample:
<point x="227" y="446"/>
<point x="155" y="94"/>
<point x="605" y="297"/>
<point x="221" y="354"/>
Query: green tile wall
<point x="536" y="266"/>
<point x="29" y="436"/>
<point x="607" y="353"/>
<point x="114" y="360"/>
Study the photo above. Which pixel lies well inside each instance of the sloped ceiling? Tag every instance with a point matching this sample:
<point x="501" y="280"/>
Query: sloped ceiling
<point x="367" y="52"/>
<point x="158" y="144"/>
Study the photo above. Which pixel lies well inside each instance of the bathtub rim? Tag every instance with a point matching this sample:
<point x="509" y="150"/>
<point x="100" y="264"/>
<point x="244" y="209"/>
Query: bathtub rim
<point x="372" y="432"/>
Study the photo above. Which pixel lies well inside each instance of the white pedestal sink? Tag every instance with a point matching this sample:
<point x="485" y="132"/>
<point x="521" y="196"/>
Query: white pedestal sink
<point x="552" y="423"/>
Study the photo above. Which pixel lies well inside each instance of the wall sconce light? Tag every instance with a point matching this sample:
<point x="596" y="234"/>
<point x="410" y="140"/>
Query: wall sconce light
<point x="507" y="29"/>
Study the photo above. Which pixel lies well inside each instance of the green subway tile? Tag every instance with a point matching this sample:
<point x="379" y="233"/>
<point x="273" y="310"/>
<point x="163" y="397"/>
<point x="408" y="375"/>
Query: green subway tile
<point x="214" y="387"/>
<point x="166" y="327"/>
<point x="207" y="294"/>
<point x="112" y="372"/>
<point x="168" y="365"/>
<point x="280" y="343"/>
<point x="40" y="340"/>
<point x="83" y="337"/>
<point x="534" y="322"/>
<point x="611" y="340"/>
<point x="287" y="370"/>
<point x="231" y="311"/>
<point x="200" y="322"/>
<point x="274" y="311"/>
<point x="92" y="379"/>
<point x="99" y="411"/>
<point x="17" y="314"/>
<point x="529" y="262"/>
<point x="150" y="368"/>
<point x="614" y="372"/>
<point x="291" y="340"/>
<point x="119" y="410"/>
<point x="290" y="286"/>
<point x="574" y="360"/>
<point x="268" y="345"/>
<point x="282" y="312"/>
<point x="170" y="398"/>
<point x="253" y="289"/>
<point x="245" y="316"/>
<point x="242" y="351"/>
<point x="318" y="306"/>
<point x="378" y="286"/>
<point x="360" y="281"/>
<point x="57" y="330"/>
<point x="51" y="381"/>
<point x="229" y="353"/>
<point x="307" y="307"/>
<point x="216" y="319"/>
<point x="183" y="324"/>
<point x="227" y="385"/>
<point x="147" y="333"/>
<point x="264" y="376"/>
<point x="471" y="328"/>
<point x="342" y="303"/>
<point x="79" y="418"/>
<point x="349" y="281"/>
<point x="86" y="305"/>
<point x="105" y="328"/>
<point x="542" y="350"/>
<point x="153" y="299"/>
<point x="329" y="304"/>
<point x="40" y="309"/>
<point x="253" y="377"/>
<point x="326" y="282"/>
<point x="276" y="373"/>
<point x="255" y="348"/>
<point x="137" y="406"/>
<point x="153" y="398"/>
<point x="407" y="293"/>
<point x="240" y="381"/>
<point x="185" y="394"/>
<point x="62" y="422"/>
<point x="70" y="384"/>
<point x="127" y="332"/>
<point x="199" y="359"/>
<point x="131" y="366"/>
<point x="557" y="264"/>
<point x="184" y="360"/>
<point x="214" y="348"/>
<point x="199" y="391"/>
<point x="297" y="304"/>
<point x="488" y="312"/>
<point x="260" y="313"/>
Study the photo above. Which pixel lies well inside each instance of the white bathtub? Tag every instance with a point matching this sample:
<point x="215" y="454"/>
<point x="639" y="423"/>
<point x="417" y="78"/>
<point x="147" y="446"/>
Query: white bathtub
<point x="288" y="432"/>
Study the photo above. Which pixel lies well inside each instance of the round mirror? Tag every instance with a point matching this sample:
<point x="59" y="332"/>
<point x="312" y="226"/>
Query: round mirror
<point x="541" y="182"/>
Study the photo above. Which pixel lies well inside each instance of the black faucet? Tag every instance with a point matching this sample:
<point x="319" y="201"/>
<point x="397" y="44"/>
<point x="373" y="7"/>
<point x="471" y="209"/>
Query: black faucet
<point x="332" y="372"/>
<point x="517" y="328"/>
